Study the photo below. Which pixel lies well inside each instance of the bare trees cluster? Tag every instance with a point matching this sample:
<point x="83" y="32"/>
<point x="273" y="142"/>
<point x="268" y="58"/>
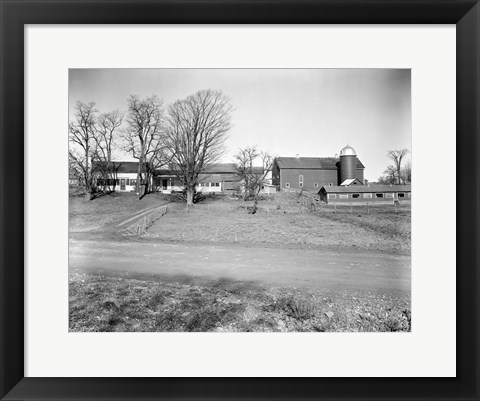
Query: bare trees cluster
<point x="397" y="173"/>
<point x="144" y="137"/>
<point x="188" y="138"/>
<point x="81" y="131"/>
<point x="253" y="166"/>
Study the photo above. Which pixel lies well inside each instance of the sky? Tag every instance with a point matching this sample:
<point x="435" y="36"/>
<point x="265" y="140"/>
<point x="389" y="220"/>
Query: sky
<point x="287" y="112"/>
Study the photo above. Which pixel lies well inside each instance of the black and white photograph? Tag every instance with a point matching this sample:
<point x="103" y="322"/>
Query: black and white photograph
<point x="239" y="200"/>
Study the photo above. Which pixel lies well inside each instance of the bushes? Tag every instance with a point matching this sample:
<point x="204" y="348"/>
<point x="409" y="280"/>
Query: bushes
<point x="300" y="309"/>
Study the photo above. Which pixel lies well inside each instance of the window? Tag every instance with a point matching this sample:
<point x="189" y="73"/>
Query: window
<point x="389" y="195"/>
<point x="355" y="196"/>
<point x="401" y="195"/>
<point x="332" y="196"/>
<point x="315" y="185"/>
<point x="287" y="185"/>
<point x="330" y="184"/>
<point x="133" y="182"/>
<point x="217" y="184"/>
<point x="128" y="181"/>
<point x="343" y="196"/>
<point x="367" y="195"/>
<point x="378" y="195"/>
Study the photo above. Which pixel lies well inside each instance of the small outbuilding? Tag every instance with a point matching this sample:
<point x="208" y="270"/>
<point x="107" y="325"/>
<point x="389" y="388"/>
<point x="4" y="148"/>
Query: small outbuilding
<point x="268" y="189"/>
<point x="365" y="193"/>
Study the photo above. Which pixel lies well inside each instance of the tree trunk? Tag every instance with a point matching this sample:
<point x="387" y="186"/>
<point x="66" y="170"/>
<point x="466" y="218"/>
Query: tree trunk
<point x="147" y="184"/>
<point x="139" y="177"/>
<point x="189" y="196"/>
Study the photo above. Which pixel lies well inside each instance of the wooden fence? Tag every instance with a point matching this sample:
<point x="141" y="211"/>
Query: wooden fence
<point x="141" y="226"/>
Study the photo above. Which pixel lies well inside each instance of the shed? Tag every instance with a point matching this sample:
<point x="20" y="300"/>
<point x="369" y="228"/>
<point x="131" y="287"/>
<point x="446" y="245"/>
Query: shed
<point x="365" y="193"/>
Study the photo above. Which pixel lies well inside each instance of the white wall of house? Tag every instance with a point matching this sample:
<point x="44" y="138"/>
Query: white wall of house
<point x="126" y="182"/>
<point x="208" y="187"/>
<point x="204" y="187"/>
<point x="168" y="188"/>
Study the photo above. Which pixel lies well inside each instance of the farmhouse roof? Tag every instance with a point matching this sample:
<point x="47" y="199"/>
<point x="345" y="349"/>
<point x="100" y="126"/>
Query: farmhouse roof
<point x="319" y="163"/>
<point x="217" y="168"/>
<point x="366" y="188"/>
<point x="121" y="167"/>
<point x="220" y="168"/>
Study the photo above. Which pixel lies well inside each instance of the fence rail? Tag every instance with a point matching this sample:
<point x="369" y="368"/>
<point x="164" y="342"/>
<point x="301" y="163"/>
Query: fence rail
<point x="141" y="226"/>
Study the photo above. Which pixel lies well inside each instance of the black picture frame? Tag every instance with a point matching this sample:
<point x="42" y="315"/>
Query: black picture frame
<point x="16" y="14"/>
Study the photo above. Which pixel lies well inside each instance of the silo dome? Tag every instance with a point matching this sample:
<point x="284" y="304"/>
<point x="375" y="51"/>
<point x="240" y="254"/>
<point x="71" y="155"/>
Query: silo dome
<point x="348" y="151"/>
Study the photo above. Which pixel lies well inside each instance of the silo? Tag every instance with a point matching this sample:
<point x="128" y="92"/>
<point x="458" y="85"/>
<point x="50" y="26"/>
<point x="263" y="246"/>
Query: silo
<point x="348" y="164"/>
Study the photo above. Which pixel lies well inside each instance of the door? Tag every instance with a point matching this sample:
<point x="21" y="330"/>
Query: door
<point x="122" y="184"/>
<point x="164" y="183"/>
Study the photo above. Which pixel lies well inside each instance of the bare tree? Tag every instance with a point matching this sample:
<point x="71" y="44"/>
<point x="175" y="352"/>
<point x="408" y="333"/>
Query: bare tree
<point x="397" y="156"/>
<point x="81" y="132"/>
<point x="253" y="166"/>
<point x="74" y="175"/>
<point x="106" y="130"/>
<point x="407" y="172"/>
<point x="144" y="135"/>
<point x="196" y="131"/>
<point x="390" y="176"/>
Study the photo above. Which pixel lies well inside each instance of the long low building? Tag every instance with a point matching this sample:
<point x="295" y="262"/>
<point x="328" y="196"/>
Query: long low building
<point x="365" y="193"/>
<point x="219" y="177"/>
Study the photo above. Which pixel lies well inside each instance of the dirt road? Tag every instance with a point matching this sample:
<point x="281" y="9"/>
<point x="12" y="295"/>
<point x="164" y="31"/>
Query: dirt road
<point x="132" y="218"/>
<point x="294" y="267"/>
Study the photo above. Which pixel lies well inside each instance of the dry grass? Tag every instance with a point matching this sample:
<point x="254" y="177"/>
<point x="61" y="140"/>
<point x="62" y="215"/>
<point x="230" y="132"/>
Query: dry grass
<point x="281" y="220"/>
<point x="125" y="304"/>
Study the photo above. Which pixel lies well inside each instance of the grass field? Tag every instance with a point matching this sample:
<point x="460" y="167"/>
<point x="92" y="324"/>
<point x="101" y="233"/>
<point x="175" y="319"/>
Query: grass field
<point x="281" y="220"/>
<point x="123" y="303"/>
<point x="89" y="215"/>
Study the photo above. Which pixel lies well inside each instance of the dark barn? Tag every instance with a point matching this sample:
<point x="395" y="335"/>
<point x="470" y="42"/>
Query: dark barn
<point x="311" y="173"/>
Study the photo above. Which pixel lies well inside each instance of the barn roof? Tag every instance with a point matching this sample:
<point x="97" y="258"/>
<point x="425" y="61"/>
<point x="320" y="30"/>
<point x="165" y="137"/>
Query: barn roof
<point x="320" y="163"/>
<point x="366" y="188"/>
<point x="123" y="167"/>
